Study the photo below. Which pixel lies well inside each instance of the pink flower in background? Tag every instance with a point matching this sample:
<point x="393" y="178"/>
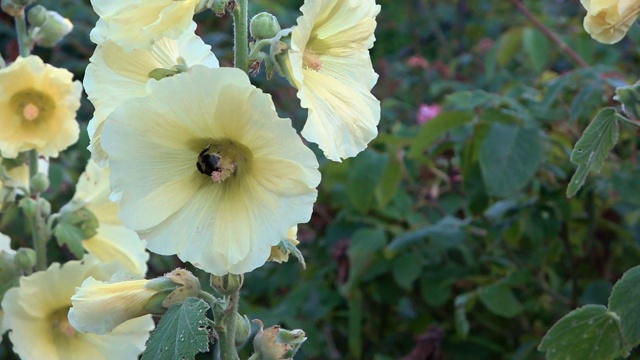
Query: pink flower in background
<point x="418" y="62"/>
<point x="427" y="112"/>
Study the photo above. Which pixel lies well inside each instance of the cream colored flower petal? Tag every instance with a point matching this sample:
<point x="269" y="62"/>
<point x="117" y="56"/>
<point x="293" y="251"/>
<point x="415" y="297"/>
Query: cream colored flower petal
<point x="99" y="307"/>
<point x="124" y="341"/>
<point x="342" y="118"/>
<point x="115" y="75"/>
<point x="147" y="164"/>
<point x="5" y="244"/>
<point x="38" y="105"/>
<point x="117" y="243"/>
<point x="139" y="23"/>
<point x="332" y="70"/>
<point x="35" y="314"/>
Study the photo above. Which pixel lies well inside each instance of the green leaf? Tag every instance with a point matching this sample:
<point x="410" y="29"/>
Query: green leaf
<point x="499" y="299"/>
<point x="537" y="47"/>
<point x="435" y="128"/>
<point x="362" y="251"/>
<point x="436" y="291"/>
<point x="406" y="268"/>
<point x="509" y="46"/>
<point x="446" y="233"/>
<point x="509" y="158"/>
<point x="629" y="96"/>
<point x="181" y="334"/>
<point x="363" y="178"/>
<point x="587" y="333"/>
<point x="624" y="302"/>
<point x="388" y="186"/>
<point x="71" y="236"/>
<point x="461" y="322"/>
<point x="592" y="148"/>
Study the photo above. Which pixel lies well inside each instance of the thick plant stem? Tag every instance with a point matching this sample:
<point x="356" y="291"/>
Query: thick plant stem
<point x="38" y="224"/>
<point x="241" y="35"/>
<point x="227" y="335"/>
<point x="24" y="42"/>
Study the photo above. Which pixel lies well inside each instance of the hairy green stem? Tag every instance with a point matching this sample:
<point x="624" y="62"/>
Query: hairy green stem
<point x="253" y="55"/>
<point x="241" y="35"/>
<point x="227" y="328"/>
<point x="24" y="41"/>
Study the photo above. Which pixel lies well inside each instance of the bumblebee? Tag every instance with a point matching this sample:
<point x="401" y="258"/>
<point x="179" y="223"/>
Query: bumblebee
<point x="208" y="163"/>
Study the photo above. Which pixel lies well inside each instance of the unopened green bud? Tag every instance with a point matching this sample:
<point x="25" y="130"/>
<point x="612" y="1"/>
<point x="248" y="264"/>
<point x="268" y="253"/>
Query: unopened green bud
<point x="189" y="287"/>
<point x="45" y="207"/>
<point x="39" y="183"/>
<point x="29" y="207"/>
<point x="37" y="15"/>
<point x="243" y="329"/>
<point x="227" y="284"/>
<point x="267" y="345"/>
<point x="161" y="284"/>
<point x="54" y="29"/>
<point x="264" y="26"/>
<point x="25" y="259"/>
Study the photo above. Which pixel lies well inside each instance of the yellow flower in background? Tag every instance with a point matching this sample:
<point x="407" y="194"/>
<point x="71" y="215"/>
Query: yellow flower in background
<point x="36" y="316"/>
<point x="99" y="306"/>
<point x="139" y="23"/>
<point x="38" y="105"/>
<point x="114" y="75"/>
<point x="608" y="21"/>
<point x="332" y="70"/>
<point x="113" y="242"/>
<point x="208" y="171"/>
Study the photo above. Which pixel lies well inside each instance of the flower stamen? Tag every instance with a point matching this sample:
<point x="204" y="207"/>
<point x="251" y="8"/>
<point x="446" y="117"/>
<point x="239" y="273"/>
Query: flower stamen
<point x="311" y="60"/>
<point x="30" y="112"/>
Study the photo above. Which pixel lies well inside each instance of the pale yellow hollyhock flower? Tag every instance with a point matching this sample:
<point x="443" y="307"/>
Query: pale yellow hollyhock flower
<point x="608" y="21"/>
<point x="99" y="306"/>
<point x="36" y="315"/>
<point x="279" y="256"/>
<point x="332" y="70"/>
<point x="113" y="242"/>
<point x="140" y="23"/>
<point x="114" y="75"/>
<point x="208" y="171"/>
<point x="38" y="104"/>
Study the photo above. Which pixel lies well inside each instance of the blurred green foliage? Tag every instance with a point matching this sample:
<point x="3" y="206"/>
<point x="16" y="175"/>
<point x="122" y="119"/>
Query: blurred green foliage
<point x="454" y="238"/>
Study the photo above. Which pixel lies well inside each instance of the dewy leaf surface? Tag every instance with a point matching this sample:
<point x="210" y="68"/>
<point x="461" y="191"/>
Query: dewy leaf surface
<point x="181" y="334"/>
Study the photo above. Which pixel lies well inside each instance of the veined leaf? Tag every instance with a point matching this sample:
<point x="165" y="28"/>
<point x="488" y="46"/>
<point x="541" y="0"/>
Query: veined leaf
<point x="592" y="148"/>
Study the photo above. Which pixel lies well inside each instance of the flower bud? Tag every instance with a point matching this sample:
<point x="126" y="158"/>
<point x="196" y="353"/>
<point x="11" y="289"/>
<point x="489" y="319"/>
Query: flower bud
<point x="39" y="183"/>
<point x="189" y="287"/>
<point x="54" y="29"/>
<point x="25" y="259"/>
<point x="13" y="7"/>
<point x="243" y="329"/>
<point x="29" y="207"/>
<point x="264" y="26"/>
<point x="276" y="343"/>
<point x="45" y="207"/>
<point x="37" y="15"/>
<point x="227" y="284"/>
